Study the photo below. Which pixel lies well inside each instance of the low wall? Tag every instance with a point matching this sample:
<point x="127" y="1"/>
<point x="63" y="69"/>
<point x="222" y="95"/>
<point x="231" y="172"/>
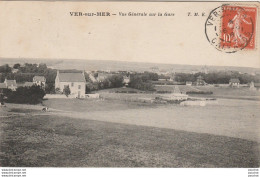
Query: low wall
<point x="96" y="95"/>
<point x="199" y="103"/>
<point x="49" y="96"/>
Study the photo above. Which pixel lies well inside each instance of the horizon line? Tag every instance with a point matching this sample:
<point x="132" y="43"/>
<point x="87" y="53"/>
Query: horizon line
<point x="127" y="61"/>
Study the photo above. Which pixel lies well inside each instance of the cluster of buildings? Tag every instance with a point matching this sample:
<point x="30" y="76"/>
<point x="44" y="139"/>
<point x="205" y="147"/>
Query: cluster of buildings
<point x="77" y="82"/>
<point x="11" y="84"/>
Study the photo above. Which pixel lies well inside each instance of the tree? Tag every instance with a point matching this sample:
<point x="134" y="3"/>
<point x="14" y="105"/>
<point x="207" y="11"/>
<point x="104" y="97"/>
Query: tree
<point x="139" y="81"/>
<point x="16" y="66"/>
<point x="116" y="81"/>
<point x="5" y="69"/>
<point x="66" y="90"/>
<point x="49" y="88"/>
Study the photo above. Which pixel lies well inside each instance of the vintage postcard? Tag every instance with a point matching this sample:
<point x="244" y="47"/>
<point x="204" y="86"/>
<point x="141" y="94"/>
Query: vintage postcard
<point x="130" y="84"/>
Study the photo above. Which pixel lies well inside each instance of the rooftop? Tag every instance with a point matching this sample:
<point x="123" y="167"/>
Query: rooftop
<point x="39" y="78"/>
<point x="71" y="77"/>
<point x="10" y="83"/>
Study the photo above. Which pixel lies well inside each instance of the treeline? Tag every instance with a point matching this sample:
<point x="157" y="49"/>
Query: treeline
<point x="141" y="81"/>
<point x="23" y="95"/>
<point x="222" y="77"/>
<point x="114" y="81"/>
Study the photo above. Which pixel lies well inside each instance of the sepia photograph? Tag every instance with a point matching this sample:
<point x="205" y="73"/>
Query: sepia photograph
<point x="130" y="84"/>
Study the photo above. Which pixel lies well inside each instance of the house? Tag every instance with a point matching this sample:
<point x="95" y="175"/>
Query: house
<point x="15" y="70"/>
<point x="189" y="83"/>
<point x="75" y="81"/>
<point x="40" y="81"/>
<point x="254" y="86"/>
<point x="234" y="82"/>
<point x="126" y="80"/>
<point x="102" y="76"/>
<point x="10" y="84"/>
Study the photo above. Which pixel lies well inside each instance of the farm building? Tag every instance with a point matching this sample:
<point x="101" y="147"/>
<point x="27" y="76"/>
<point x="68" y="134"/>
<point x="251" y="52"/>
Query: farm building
<point x="75" y="81"/>
<point x="40" y="81"/>
<point x="200" y="81"/>
<point x="234" y="82"/>
<point x="99" y="77"/>
<point x="188" y="83"/>
<point x="126" y="80"/>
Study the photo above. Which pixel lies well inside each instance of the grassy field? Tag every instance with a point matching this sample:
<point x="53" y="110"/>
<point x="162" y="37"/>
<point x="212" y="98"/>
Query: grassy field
<point x="90" y="105"/>
<point x="54" y="141"/>
<point x="118" y="131"/>
<point x="218" y="92"/>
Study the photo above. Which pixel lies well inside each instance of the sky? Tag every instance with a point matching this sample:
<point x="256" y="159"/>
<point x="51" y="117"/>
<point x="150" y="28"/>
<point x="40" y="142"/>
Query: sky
<point x="46" y="30"/>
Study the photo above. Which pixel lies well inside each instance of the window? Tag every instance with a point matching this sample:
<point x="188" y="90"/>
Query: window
<point x="79" y="86"/>
<point x="72" y="84"/>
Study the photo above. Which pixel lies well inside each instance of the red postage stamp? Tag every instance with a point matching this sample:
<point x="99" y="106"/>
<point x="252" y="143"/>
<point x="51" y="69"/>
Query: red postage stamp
<point x="231" y="28"/>
<point x="238" y="27"/>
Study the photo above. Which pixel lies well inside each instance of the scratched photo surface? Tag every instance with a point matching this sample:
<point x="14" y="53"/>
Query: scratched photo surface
<point x="129" y="84"/>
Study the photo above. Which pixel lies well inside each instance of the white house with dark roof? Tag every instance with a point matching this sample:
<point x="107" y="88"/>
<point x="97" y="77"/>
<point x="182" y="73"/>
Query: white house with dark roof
<point x="234" y="82"/>
<point x="40" y="81"/>
<point x="75" y="81"/>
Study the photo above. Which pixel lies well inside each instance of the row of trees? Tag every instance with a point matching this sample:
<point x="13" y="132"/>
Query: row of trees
<point x="217" y="77"/>
<point x="141" y="81"/>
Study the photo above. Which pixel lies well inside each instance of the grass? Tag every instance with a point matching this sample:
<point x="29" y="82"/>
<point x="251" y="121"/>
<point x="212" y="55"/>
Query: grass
<point x="53" y="141"/>
<point x="90" y="105"/>
<point x="218" y="92"/>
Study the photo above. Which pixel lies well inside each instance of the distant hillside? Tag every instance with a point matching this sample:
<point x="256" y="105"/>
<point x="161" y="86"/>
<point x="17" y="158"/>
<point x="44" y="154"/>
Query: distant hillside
<point x="91" y="65"/>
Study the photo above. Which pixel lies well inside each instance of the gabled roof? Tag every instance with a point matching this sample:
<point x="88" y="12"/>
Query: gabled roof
<point x="28" y="84"/>
<point x="71" y="77"/>
<point x="2" y="85"/>
<point x="39" y="78"/>
<point x="10" y="83"/>
<point x="234" y="80"/>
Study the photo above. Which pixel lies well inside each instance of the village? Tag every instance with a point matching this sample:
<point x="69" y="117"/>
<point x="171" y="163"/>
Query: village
<point x="162" y="88"/>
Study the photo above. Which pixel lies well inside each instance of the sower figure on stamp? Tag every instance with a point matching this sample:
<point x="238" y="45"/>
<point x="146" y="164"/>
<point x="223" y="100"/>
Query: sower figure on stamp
<point x="236" y="23"/>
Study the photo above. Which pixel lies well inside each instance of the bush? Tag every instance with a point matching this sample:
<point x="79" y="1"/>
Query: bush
<point x="25" y="95"/>
<point x="66" y="91"/>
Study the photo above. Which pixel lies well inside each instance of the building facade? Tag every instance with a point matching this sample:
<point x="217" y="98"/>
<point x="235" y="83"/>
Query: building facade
<point x="234" y="82"/>
<point x="75" y="81"/>
<point x="39" y="81"/>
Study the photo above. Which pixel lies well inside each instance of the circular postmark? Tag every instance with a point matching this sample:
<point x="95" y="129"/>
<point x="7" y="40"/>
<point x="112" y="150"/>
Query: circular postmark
<point x="229" y="28"/>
